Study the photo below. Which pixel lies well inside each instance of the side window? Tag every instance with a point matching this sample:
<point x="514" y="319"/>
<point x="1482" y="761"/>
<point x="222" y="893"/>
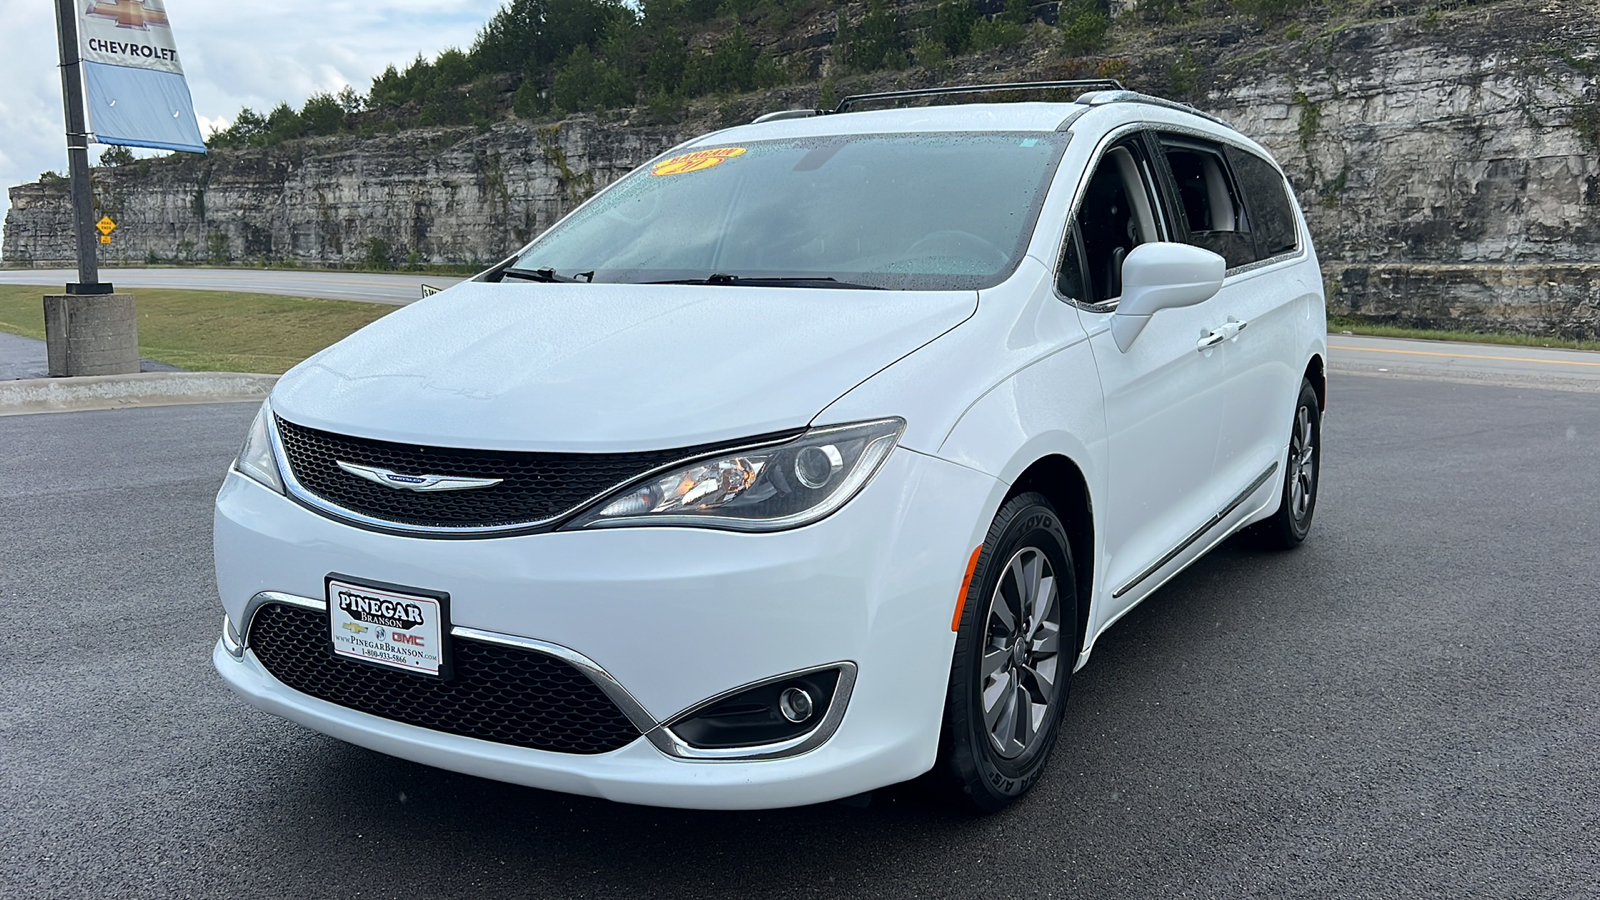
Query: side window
<point x="1115" y="216"/>
<point x="1069" y="279"/>
<point x="1208" y="201"/>
<point x="1267" y="196"/>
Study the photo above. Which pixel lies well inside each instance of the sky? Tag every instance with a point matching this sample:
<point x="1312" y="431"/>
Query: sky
<point x="234" y="55"/>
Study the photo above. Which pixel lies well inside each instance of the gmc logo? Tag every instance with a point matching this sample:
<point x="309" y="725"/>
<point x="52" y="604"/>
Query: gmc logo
<point x="414" y="640"/>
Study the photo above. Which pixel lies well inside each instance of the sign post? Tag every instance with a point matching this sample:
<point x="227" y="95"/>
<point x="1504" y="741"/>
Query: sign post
<point x="78" y="153"/>
<point x="123" y="53"/>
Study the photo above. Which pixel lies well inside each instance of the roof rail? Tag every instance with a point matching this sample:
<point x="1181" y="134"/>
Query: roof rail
<point x="1120" y="95"/>
<point x="786" y="114"/>
<point x="1095" y="84"/>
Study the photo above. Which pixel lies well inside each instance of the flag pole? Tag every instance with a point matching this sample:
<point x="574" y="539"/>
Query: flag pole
<point x="78" y="153"/>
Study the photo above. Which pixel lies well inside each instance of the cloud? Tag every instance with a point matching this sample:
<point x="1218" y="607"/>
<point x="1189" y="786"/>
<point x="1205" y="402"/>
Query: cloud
<point x="234" y="55"/>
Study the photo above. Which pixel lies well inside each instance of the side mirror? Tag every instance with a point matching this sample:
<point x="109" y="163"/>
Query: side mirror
<point x="1159" y="276"/>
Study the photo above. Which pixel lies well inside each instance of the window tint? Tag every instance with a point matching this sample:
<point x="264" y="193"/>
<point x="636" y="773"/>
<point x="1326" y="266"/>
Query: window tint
<point x="1069" y="280"/>
<point x="1209" y="203"/>
<point x="1267" y="196"/>
<point x="1116" y="215"/>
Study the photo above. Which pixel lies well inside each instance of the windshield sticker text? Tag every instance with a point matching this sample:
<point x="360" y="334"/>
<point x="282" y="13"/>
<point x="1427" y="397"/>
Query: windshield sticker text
<point x="696" y="161"/>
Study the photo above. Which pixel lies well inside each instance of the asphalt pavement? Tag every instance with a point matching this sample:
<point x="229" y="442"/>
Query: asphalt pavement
<point x="1406" y="706"/>
<point x="392" y="289"/>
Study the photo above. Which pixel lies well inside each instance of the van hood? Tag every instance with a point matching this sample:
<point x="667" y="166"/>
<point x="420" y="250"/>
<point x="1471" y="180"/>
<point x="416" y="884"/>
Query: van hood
<point x="608" y="367"/>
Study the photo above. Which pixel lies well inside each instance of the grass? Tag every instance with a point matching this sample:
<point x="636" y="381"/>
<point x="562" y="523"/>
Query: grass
<point x="215" y="331"/>
<point x="1354" y="325"/>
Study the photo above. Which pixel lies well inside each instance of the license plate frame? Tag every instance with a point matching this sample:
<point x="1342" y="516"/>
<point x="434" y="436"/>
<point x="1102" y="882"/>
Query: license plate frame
<point x="395" y="627"/>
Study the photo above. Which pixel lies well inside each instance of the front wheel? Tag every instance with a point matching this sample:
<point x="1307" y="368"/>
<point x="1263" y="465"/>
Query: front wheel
<point x="1292" y="522"/>
<point x="1015" y="650"/>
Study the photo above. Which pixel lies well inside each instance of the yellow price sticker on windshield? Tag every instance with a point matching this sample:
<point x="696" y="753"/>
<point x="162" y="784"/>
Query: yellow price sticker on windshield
<point x="696" y="161"/>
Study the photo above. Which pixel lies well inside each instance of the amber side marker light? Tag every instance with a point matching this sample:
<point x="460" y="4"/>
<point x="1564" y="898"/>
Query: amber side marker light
<point x="961" y="599"/>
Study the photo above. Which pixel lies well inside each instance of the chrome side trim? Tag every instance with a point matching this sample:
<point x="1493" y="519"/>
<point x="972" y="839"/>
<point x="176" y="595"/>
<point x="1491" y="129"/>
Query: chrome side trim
<point x="669" y="743"/>
<point x="625" y="701"/>
<point x="1199" y="533"/>
<point x="300" y="494"/>
<point x="262" y="599"/>
<point x="230" y="639"/>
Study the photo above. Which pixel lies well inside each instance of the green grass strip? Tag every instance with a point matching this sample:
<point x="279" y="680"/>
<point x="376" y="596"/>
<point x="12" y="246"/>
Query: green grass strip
<point x="215" y="331"/>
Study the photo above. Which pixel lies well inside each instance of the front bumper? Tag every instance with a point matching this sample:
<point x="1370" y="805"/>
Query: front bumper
<point x="672" y="615"/>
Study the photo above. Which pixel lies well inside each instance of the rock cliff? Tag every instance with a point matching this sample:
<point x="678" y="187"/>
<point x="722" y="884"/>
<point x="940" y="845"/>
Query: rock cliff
<point x="1448" y="160"/>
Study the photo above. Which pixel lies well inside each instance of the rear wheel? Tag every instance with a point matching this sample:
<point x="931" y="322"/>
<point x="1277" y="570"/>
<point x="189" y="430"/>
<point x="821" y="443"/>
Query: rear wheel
<point x="1015" y="650"/>
<point x="1292" y="522"/>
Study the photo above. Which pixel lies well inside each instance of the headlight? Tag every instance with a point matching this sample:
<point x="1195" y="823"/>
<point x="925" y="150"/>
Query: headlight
<point x="256" y="459"/>
<point x="759" y="489"/>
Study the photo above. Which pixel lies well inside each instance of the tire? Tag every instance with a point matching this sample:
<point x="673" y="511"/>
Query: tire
<point x="992" y="751"/>
<point x="1292" y="522"/>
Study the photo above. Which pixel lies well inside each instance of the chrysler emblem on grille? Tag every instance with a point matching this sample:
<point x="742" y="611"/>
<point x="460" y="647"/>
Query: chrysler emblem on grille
<point x="416" y="482"/>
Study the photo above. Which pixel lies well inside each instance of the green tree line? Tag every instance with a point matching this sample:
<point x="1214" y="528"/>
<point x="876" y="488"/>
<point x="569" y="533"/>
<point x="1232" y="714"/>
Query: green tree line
<point x="538" y="58"/>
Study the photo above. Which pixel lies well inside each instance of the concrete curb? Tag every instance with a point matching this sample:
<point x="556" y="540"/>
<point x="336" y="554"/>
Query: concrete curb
<point x="42" y="395"/>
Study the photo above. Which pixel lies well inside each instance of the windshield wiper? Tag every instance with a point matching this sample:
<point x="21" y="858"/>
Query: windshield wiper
<point x="821" y="281"/>
<point x="546" y="275"/>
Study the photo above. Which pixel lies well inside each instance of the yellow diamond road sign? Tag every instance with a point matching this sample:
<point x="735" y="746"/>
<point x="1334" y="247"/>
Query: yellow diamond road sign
<point x="105" y="225"/>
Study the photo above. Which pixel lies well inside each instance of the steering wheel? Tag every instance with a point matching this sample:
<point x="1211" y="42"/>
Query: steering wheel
<point x="964" y="239"/>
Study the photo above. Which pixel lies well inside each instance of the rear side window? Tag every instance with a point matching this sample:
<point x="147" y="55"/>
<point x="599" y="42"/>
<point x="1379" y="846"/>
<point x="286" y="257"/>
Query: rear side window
<point x="1268" y="199"/>
<point x="1208" y="202"/>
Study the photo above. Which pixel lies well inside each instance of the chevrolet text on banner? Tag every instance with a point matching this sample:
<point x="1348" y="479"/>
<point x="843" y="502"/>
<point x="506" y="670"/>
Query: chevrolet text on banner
<point x="137" y="95"/>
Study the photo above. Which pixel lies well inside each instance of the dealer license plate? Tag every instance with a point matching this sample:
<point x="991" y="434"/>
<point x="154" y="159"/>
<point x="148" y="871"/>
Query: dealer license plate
<point x="389" y="625"/>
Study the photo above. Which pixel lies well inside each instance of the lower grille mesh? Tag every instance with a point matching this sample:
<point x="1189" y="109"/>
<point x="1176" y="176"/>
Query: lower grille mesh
<point x="499" y="694"/>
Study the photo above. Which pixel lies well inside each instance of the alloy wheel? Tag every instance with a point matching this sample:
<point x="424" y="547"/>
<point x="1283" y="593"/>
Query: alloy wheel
<point x="1020" y="672"/>
<point x="1302" y="465"/>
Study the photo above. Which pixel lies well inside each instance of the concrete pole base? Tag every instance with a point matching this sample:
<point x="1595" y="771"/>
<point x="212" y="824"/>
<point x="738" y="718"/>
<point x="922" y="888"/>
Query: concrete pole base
<point x="91" y="334"/>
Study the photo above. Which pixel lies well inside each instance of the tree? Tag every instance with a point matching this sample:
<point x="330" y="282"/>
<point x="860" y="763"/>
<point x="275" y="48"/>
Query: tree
<point x="876" y="43"/>
<point x="116" y="155"/>
<point x="952" y="25"/>
<point x="322" y="114"/>
<point x="283" y="124"/>
<point x="1084" y="24"/>
<point x="587" y="82"/>
<point x="350" y="101"/>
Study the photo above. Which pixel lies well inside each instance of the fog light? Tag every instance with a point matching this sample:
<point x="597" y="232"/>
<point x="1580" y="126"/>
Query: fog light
<point x="795" y="704"/>
<point x="780" y="709"/>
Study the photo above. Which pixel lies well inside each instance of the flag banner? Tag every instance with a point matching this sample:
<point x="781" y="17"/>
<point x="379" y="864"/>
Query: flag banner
<point x="137" y="96"/>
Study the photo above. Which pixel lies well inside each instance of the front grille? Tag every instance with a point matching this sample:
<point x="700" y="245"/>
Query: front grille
<point x="535" y="486"/>
<point x="496" y="693"/>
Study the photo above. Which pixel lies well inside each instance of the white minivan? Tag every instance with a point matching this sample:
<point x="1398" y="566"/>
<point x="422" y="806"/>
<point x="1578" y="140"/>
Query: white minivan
<point x="811" y="457"/>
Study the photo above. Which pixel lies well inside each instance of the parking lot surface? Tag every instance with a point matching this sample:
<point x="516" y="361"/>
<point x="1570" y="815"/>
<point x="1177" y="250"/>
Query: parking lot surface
<point x="1404" y="707"/>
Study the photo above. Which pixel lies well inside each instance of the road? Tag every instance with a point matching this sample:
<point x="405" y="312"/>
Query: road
<point x="1406" y="706"/>
<point x="1504" y="364"/>
<point x="396" y="290"/>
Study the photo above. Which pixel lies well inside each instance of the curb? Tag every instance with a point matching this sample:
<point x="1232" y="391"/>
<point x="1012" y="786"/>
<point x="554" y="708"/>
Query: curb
<point x="43" y="395"/>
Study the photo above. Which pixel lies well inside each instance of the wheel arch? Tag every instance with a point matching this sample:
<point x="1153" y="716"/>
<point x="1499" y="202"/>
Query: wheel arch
<point x="1317" y="374"/>
<point x="1062" y="482"/>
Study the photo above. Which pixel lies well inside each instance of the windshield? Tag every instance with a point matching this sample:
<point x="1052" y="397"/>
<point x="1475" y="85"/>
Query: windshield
<point x="903" y="212"/>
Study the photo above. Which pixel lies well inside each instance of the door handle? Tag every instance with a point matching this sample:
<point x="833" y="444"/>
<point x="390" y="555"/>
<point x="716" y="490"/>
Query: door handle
<point x="1227" y="332"/>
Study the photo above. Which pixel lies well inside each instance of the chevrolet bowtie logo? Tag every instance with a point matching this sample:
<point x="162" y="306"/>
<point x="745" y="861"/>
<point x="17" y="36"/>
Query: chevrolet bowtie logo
<point x="130" y="13"/>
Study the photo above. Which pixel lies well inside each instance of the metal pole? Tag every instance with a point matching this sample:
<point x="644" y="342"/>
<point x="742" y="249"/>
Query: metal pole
<point x="78" y="153"/>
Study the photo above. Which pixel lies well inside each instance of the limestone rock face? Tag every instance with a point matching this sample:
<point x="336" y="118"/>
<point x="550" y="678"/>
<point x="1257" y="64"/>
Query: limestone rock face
<point x="1448" y="165"/>
<point x="1449" y="177"/>
<point x="426" y="195"/>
